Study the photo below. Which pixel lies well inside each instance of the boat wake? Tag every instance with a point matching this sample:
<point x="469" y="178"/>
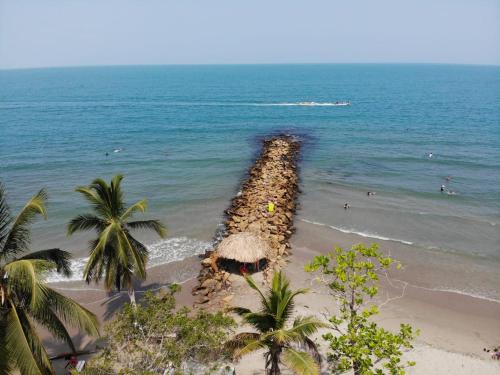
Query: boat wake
<point x="142" y="103"/>
<point x="306" y="104"/>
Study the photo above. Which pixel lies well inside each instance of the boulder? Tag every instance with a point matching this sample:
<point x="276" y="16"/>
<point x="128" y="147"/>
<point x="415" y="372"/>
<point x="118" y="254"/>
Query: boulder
<point x="209" y="284"/>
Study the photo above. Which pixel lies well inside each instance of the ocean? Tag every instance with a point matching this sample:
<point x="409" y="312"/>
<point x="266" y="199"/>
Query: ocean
<point x="184" y="137"/>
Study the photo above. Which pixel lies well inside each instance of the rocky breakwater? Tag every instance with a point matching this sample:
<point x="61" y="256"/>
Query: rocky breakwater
<point x="265" y="206"/>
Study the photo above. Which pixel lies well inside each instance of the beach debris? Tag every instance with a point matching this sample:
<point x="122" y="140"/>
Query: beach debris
<point x="259" y="221"/>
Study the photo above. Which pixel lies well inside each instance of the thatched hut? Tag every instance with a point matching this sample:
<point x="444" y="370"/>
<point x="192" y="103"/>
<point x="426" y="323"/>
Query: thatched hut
<point x="243" y="248"/>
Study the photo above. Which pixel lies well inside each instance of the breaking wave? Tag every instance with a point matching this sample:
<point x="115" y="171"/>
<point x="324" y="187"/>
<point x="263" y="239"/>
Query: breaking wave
<point x="362" y="234"/>
<point x="162" y="252"/>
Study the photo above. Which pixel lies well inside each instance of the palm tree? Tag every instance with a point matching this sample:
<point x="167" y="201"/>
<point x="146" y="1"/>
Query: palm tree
<point x="24" y="297"/>
<point x="115" y="255"/>
<point x="282" y="345"/>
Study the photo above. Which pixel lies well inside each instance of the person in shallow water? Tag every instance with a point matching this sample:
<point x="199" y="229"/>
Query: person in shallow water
<point x="442" y="188"/>
<point x="346" y="206"/>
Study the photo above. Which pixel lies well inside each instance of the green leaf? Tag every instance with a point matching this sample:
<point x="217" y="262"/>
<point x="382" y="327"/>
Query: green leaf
<point x="301" y="363"/>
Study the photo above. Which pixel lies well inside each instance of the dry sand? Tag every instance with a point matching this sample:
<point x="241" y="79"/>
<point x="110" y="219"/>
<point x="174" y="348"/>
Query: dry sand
<point x="454" y="327"/>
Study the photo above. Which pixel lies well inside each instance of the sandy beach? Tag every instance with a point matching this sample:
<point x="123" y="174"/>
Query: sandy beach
<point x="454" y="327"/>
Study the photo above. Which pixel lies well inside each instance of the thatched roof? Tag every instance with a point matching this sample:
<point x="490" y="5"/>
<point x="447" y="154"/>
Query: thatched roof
<point x="244" y="247"/>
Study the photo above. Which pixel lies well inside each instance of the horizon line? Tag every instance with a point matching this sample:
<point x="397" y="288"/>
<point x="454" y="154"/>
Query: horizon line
<point x="244" y="64"/>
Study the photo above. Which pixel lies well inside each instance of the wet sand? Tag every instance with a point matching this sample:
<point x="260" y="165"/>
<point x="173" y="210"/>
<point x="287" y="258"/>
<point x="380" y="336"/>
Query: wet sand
<point x="454" y="327"/>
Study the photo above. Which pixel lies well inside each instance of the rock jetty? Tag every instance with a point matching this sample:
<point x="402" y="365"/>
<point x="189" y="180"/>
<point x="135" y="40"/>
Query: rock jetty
<point x="265" y="206"/>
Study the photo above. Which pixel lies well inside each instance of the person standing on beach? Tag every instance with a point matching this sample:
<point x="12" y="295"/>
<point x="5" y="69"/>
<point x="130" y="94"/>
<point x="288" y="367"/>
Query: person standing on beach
<point x="271" y="207"/>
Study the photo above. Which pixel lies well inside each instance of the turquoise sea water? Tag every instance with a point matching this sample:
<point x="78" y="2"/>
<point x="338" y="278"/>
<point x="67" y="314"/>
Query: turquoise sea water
<point x="187" y="135"/>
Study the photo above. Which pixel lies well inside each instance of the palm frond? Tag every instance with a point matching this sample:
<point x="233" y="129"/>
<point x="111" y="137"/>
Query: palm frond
<point x="96" y="255"/>
<point x="71" y="312"/>
<point x="6" y="365"/>
<point x="240" y="340"/>
<point x="35" y="344"/>
<point x="139" y="247"/>
<point x="282" y="337"/>
<point x="301" y="363"/>
<point x="313" y="350"/>
<point x="98" y="204"/>
<point x="85" y="222"/>
<point x="132" y="254"/>
<point x="113" y="271"/>
<point x="60" y="258"/>
<point x="307" y="325"/>
<point x="141" y="206"/>
<point x="249" y="347"/>
<point x="116" y="194"/>
<point x="279" y="282"/>
<point x="48" y="319"/>
<point x="263" y="322"/>
<point x="23" y="279"/>
<point x="5" y="218"/>
<point x="253" y="285"/>
<point x="17" y="346"/>
<point x="286" y="303"/>
<point x="154" y="225"/>
<point x="19" y="237"/>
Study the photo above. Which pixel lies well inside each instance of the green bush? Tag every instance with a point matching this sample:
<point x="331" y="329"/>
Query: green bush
<point x="156" y="337"/>
<point x="357" y="343"/>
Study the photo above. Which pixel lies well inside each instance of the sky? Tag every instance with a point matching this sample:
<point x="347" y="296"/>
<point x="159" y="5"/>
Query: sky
<point x="44" y="33"/>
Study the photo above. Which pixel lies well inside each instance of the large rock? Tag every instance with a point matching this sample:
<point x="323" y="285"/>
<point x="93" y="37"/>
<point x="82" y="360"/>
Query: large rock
<point x="209" y="284"/>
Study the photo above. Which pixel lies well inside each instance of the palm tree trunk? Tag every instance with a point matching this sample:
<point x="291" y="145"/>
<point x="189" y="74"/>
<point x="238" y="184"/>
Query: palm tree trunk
<point x="275" y="366"/>
<point x="131" y="295"/>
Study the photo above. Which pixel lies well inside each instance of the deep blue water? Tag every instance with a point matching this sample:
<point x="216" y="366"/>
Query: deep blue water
<point x="189" y="133"/>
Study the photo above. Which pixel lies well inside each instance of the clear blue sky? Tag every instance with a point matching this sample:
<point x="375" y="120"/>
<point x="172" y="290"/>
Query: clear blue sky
<point x="37" y="33"/>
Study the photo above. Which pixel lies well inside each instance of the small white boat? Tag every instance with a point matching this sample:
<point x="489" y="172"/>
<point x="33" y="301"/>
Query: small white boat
<point x="327" y="104"/>
<point x="342" y="104"/>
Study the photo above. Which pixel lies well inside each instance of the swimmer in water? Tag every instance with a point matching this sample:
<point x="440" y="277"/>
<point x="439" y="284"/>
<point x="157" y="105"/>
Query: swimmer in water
<point x="442" y="188"/>
<point x="431" y="155"/>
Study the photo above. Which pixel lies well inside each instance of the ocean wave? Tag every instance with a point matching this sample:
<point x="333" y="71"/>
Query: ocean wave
<point x="162" y="252"/>
<point x="464" y="293"/>
<point x="353" y="231"/>
<point x="474" y="294"/>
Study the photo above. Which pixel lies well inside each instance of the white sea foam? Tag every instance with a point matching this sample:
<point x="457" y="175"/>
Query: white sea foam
<point x="464" y="293"/>
<point x="162" y="252"/>
<point x="362" y="234"/>
<point x="473" y="294"/>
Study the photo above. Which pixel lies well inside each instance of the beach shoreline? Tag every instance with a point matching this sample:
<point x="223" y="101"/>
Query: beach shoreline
<point x="453" y="325"/>
<point x="429" y="292"/>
